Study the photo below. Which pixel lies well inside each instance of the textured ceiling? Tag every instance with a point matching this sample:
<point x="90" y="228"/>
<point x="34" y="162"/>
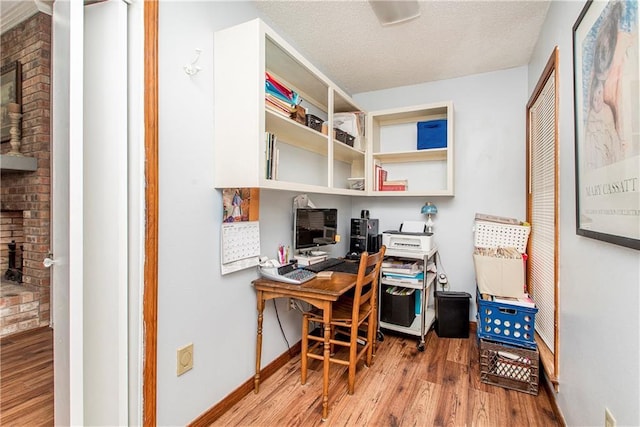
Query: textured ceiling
<point x="450" y="39"/>
<point x="13" y="12"/>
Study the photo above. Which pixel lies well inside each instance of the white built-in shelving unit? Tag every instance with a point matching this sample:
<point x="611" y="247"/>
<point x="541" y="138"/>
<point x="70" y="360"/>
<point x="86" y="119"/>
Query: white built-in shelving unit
<point x="393" y="139"/>
<point x="308" y="160"/>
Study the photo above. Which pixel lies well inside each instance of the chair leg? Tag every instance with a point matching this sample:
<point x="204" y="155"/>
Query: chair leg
<point x="305" y="348"/>
<point x="353" y="351"/>
<point x="371" y="338"/>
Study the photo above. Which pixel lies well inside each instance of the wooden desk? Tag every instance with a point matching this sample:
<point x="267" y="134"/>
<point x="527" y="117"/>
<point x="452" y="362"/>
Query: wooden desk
<point x="320" y="293"/>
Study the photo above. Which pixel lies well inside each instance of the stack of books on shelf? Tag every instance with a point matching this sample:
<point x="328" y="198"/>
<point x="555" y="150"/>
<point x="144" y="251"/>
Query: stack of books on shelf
<point x="272" y="154"/>
<point x="395" y="185"/>
<point x="381" y="182"/>
<point x="279" y="98"/>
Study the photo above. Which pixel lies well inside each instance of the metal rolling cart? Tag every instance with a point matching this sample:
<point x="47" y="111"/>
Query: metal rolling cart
<point x="422" y="322"/>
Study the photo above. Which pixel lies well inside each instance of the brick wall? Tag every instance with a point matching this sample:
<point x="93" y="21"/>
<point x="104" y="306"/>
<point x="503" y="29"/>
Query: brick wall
<point x="30" y="43"/>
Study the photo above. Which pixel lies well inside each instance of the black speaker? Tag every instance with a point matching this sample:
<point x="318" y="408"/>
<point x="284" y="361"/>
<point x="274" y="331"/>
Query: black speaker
<point x="452" y="314"/>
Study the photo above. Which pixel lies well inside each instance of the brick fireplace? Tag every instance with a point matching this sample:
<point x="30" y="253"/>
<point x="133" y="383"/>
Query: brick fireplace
<point x="25" y="196"/>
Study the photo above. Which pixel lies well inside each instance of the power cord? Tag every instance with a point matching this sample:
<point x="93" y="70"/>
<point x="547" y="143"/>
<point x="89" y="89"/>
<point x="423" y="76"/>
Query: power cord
<point x="442" y="277"/>
<point x="275" y="307"/>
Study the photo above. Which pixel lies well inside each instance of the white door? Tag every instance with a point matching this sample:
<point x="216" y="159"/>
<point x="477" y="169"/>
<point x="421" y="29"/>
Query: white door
<point x="105" y="220"/>
<point x="89" y="213"/>
<point x="67" y="211"/>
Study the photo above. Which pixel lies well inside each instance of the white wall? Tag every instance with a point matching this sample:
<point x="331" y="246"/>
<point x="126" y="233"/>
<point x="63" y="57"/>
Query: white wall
<point x="195" y="303"/>
<point x="599" y="282"/>
<point x="217" y="314"/>
<point x="489" y="119"/>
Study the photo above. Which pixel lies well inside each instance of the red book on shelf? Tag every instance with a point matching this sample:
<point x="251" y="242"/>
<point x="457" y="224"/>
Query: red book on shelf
<point x="393" y="187"/>
<point x="382" y="177"/>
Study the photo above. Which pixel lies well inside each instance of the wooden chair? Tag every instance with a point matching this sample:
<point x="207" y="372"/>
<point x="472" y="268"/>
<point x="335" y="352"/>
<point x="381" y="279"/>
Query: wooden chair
<point x="349" y="314"/>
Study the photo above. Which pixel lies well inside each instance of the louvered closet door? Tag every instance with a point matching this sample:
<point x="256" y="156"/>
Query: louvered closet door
<point x="543" y="206"/>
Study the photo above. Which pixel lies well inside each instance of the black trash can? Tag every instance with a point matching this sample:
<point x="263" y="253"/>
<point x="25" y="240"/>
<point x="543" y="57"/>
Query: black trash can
<point x="452" y="314"/>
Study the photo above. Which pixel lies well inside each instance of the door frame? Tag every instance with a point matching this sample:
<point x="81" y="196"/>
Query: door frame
<point x="150" y="291"/>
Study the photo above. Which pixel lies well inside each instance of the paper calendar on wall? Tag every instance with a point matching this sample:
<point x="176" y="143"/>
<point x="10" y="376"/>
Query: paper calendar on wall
<point x="240" y="245"/>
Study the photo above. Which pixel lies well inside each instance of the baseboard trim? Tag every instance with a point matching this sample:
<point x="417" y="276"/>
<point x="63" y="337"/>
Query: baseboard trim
<point x="216" y="411"/>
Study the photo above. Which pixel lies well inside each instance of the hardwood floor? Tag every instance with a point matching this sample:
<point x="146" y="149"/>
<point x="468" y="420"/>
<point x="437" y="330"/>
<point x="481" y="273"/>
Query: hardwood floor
<point x="404" y="387"/>
<point x="26" y="378"/>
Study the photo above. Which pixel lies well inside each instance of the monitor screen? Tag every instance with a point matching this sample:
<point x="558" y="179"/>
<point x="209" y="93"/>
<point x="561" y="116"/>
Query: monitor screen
<point x="314" y="227"/>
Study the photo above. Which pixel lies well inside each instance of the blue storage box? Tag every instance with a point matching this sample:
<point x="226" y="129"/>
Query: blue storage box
<point x="506" y="323"/>
<point x="432" y="134"/>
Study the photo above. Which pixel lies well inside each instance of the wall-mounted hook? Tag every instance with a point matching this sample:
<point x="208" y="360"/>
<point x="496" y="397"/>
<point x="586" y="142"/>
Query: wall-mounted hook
<point x="192" y="69"/>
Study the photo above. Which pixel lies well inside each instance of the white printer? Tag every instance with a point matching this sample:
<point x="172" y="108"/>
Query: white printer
<point x="407" y="242"/>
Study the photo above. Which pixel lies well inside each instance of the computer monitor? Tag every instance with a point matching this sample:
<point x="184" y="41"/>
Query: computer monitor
<point x="313" y="227"/>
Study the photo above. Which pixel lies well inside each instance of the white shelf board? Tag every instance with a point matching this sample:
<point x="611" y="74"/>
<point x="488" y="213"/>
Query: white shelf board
<point x="429" y="154"/>
<point x="293" y="133"/>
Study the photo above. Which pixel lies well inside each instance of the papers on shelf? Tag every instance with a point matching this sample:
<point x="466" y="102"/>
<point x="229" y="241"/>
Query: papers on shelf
<point x="392" y="265"/>
<point x="413" y="279"/>
<point x="498" y="219"/>
<point x="356" y="183"/>
<point x="506" y="252"/>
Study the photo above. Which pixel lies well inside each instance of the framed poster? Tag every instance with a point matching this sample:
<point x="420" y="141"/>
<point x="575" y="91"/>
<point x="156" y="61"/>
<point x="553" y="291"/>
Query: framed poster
<point x="10" y="92"/>
<point x="607" y="147"/>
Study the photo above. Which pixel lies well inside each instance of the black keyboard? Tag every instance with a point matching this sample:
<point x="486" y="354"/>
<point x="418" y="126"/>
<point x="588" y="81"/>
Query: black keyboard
<point x="346" y="267"/>
<point x="334" y="264"/>
<point x="326" y="265"/>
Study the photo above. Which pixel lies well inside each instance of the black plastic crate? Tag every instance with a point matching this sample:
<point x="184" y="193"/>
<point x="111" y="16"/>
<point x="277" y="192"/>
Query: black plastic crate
<point x="507" y="366"/>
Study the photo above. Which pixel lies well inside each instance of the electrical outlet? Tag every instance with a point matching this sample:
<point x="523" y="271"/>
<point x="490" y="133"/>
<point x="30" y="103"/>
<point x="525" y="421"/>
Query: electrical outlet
<point x="185" y="359"/>
<point x="292" y="304"/>
<point x="609" y="421"/>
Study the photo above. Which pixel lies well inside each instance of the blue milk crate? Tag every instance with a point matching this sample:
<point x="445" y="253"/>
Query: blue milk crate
<point x="432" y="134"/>
<point x="506" y="323"/>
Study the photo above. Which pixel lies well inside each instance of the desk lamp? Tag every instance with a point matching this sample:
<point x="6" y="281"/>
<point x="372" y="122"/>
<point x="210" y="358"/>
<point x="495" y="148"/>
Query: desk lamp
<point x="429" y="209"/>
